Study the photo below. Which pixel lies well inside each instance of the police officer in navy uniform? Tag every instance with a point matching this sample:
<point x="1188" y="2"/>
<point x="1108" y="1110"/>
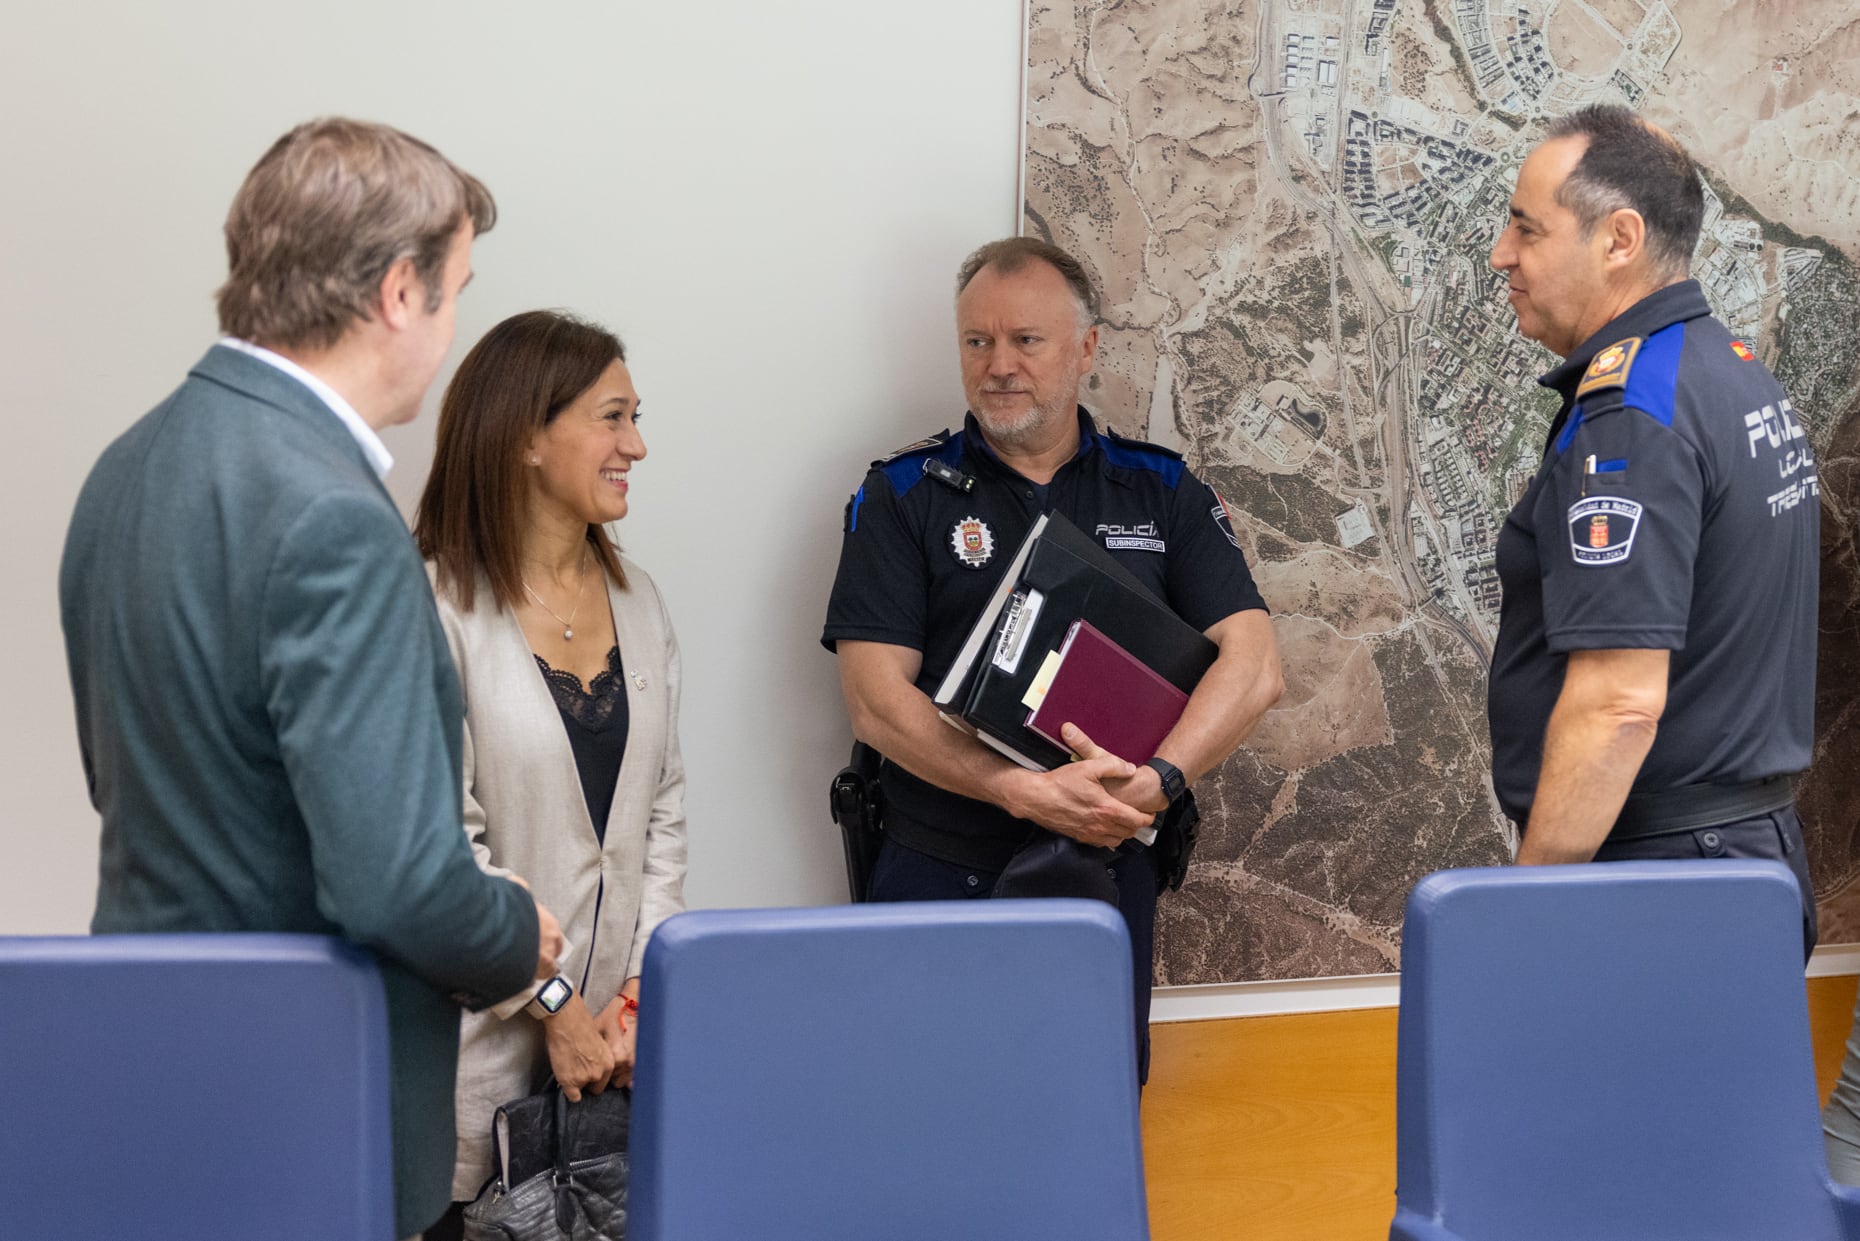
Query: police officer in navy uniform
<point x="1652" y="688"/>
<point x="926" y="538"/>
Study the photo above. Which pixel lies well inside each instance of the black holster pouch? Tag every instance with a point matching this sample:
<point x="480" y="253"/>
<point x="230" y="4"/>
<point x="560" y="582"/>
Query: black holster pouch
<point x="857" y="804"/>
<point x="1176" y="837"/>
<point x="1053" y="865"/>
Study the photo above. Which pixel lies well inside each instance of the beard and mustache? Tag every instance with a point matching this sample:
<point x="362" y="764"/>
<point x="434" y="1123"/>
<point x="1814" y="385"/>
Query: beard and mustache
<point x="1014" y="430"/>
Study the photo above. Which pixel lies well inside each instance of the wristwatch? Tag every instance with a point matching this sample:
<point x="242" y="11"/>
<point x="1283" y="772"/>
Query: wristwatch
<point x="1173" y="785"/>
<point x="548" y="1002"/>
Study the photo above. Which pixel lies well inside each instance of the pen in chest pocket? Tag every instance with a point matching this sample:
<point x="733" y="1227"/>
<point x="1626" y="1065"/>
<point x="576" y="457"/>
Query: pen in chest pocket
<point x="1614" y="470"/>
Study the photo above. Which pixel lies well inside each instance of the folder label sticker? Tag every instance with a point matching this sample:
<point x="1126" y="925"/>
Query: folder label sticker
<point x="1023" y="610"/>
<point x="1042" y="681"/>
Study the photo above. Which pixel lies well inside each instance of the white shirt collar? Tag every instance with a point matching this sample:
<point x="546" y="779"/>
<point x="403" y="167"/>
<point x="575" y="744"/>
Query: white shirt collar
<point x="372" y="447"/>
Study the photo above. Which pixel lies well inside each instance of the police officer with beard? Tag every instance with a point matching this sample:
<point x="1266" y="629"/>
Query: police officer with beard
<point x="926" y="539"/>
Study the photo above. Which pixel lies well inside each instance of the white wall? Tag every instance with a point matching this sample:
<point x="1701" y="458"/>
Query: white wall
<point x="767" y="201"/>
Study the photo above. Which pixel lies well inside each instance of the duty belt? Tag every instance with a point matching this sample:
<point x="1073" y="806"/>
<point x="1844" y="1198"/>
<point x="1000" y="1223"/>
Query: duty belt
<point x="984" y="853"/>
<point x="1699" y="805"/>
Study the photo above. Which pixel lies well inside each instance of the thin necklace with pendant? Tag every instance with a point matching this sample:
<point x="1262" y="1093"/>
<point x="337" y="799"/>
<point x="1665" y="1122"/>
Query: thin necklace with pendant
<point x="581" y="582"/>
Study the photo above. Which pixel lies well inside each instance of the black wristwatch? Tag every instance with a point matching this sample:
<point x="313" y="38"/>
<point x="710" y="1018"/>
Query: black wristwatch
<point x="1173" y="785"/>
<point x="548" y="1002"/>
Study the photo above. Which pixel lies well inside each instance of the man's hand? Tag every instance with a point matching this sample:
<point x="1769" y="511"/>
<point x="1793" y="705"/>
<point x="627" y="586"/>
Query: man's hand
<point x="896" y="718"/>
<point x="1143" y="790"/>
<point x="549" y="942"/>
<point x="622" y="1034"/>
<point x="579" y="1055"/>
<point x="1075" y="800"/>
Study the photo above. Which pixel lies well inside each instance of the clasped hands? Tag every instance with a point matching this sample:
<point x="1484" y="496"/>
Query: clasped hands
<point x="1098" y="800"/>
<point x="589" y="1051"/>
<point x="586" y="1051"/>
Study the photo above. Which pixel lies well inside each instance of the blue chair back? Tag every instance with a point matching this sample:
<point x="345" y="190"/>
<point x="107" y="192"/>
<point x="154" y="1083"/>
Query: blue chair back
<point x="186" y="1087"/>
<point x="906" y="1071"/>
<point x="1609" y="1051"/>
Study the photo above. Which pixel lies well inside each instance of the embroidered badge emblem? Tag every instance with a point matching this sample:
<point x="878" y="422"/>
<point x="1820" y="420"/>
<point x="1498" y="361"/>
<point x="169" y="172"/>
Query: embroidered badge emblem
<point x="1743" y="351"/>
<point x="1609" y="368"/>
<point x="1601" y="529"/>
<point x="973" y="542"/>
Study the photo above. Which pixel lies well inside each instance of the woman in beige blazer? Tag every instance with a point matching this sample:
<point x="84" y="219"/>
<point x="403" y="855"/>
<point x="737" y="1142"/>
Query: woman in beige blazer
<point x="573" y="779"/>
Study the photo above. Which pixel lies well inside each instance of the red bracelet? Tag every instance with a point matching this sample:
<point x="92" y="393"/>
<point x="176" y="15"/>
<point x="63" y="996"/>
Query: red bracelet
<point x="627" y="1005"/>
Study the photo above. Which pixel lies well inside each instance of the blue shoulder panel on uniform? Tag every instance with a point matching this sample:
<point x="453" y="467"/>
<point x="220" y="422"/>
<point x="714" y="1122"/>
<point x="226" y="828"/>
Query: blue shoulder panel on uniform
<point x="1652" y="382"/>
<point x="1569" y="430"/>
<point x="906" y="469"/>
<point x="1136" y="455"/>
<point x="852" y="514"/>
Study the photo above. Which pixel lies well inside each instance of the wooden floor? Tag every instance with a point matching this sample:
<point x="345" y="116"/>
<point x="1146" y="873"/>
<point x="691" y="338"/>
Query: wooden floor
<point x="1283" y="1128"/>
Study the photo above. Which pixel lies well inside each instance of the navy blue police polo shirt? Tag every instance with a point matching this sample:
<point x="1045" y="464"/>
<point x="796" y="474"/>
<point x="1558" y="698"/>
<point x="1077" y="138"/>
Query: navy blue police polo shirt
<point x="1676" y="509"/>
<point x="921" y="556"/>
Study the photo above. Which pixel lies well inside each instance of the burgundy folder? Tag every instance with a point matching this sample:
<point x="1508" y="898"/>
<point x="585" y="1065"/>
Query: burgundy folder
<point x="1120" y="703"/>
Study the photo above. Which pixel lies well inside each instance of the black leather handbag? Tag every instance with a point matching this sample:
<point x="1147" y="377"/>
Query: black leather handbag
<point x="561" y="1170"/>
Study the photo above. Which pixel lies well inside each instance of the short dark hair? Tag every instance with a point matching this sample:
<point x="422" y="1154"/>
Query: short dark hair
<point x="1010" y="254"/>
<point x="322" y="217"/>
<point x="512" y="384"/>
<point x="1631" y="163"/>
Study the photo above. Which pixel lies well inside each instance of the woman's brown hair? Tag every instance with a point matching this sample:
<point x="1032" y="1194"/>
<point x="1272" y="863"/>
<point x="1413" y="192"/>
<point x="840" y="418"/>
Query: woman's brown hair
<point x="512" y="384"/>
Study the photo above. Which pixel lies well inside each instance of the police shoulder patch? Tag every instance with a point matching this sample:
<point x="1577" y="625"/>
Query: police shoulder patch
<point x="1610" y="367"/>
<point x="935" y="441"/>
<point x="1601" y="530"/>
<point x="1223" y="518"/>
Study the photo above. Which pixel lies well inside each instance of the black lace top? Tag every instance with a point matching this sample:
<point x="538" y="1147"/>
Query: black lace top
<point x="596" y="719"/>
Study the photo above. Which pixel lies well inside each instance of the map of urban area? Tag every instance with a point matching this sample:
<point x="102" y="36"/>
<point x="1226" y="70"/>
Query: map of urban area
<point x="1290" y="208"/>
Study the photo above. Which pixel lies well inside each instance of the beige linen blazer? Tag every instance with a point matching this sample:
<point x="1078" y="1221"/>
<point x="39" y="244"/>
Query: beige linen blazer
<point x="525" y="814"/>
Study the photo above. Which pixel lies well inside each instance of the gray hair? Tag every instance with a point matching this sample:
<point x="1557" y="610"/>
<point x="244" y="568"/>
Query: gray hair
<point x="1011" y="254"/>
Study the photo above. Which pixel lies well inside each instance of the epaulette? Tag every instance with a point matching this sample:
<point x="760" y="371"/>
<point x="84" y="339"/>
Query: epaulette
<point x="1129" y="454"/>
<point x="1610" y="367"/>
<point x="937" y="457"/>
<point x="935" y="441"/>
<point x="1142" y="445"/>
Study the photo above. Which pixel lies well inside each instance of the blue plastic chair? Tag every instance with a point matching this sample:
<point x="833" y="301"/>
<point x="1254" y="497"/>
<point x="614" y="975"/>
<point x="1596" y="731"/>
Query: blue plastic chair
<point x="1610" y="1052"/>
<point x="193" y="1087"/>
<point x="926" y="1071"/>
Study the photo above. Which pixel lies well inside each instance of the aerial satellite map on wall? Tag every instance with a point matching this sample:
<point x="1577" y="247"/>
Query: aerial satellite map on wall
<point x="1290" y="207"/>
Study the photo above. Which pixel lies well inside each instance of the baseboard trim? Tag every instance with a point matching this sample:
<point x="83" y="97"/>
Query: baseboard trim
<point x="1214" y="1001"/>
